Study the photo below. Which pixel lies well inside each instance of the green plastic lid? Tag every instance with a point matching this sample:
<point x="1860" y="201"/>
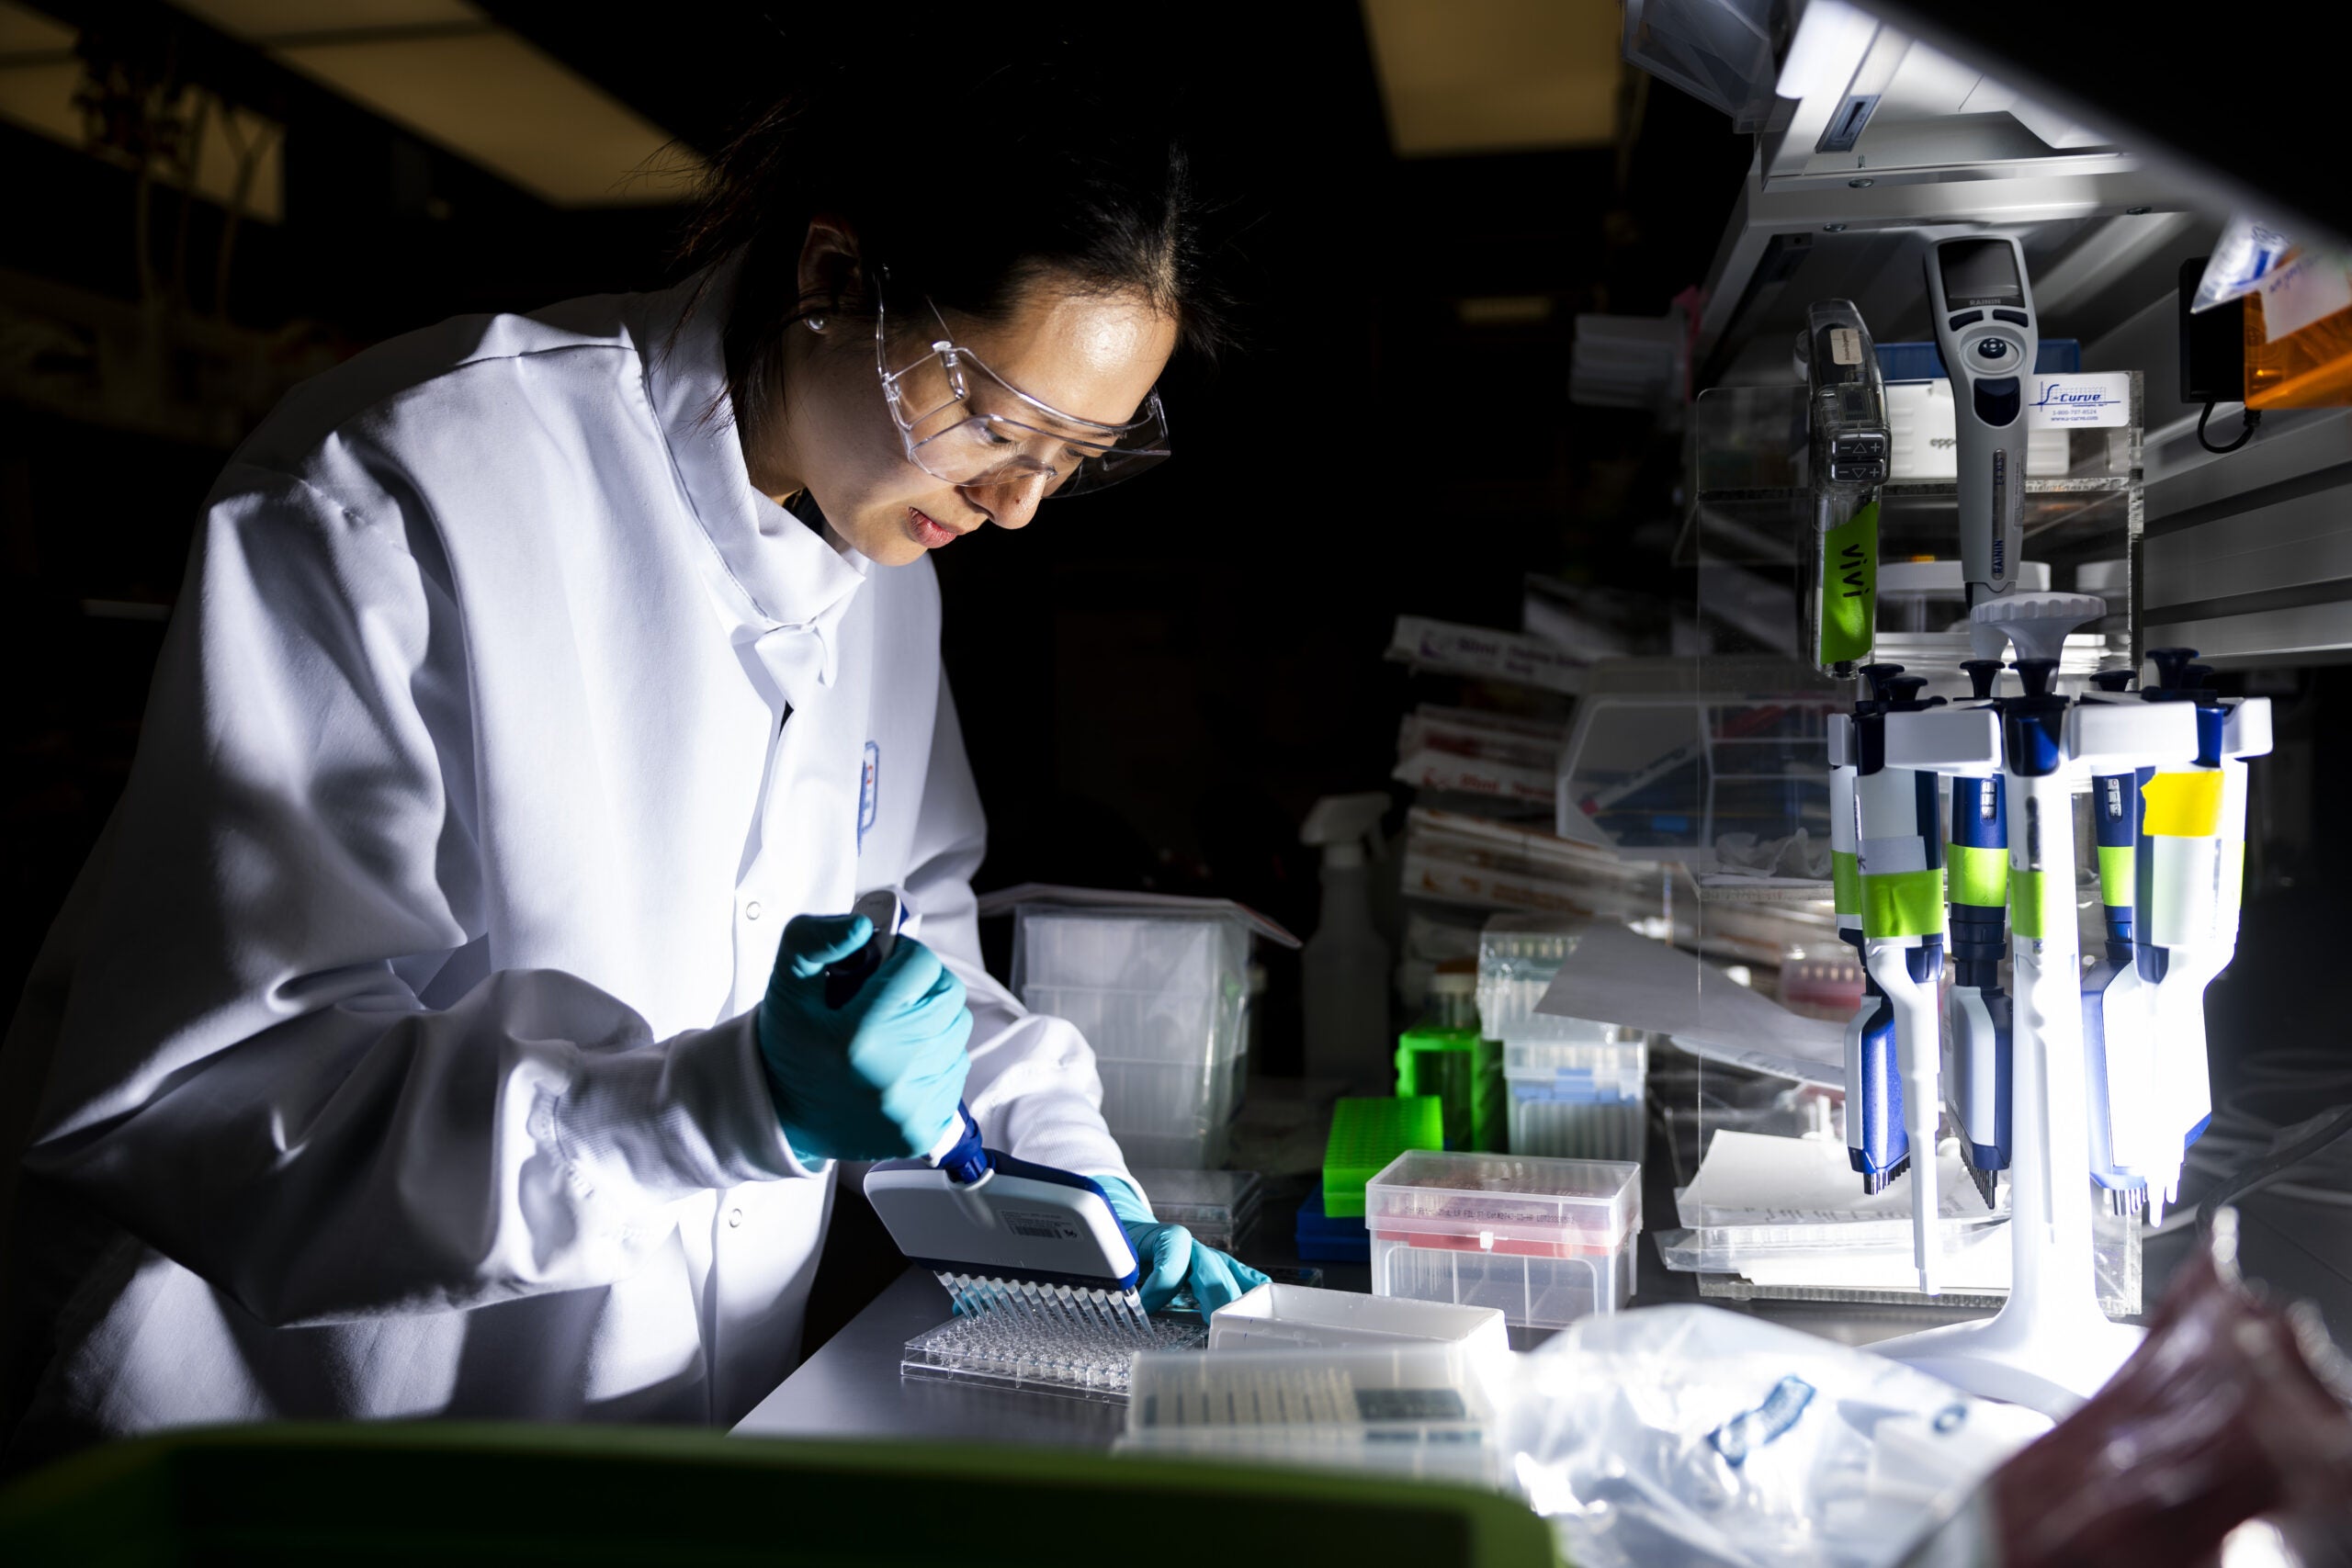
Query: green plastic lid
<point x="1367" y="1133"/>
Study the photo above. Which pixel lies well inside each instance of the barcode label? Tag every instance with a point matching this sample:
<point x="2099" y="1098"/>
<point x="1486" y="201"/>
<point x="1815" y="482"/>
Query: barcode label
<point x="1040" y="1227"/>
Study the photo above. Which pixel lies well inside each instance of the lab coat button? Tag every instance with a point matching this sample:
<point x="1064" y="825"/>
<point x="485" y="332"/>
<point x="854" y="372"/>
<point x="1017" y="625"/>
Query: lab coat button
<point x="734" y="1218"/>
<point x="751" y="911"/>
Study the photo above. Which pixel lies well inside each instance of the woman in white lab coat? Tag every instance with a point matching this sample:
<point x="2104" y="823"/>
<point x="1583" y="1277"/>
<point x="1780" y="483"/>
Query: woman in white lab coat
<point x="417" y="1041"/>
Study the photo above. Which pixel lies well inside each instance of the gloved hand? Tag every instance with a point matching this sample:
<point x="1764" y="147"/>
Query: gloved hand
<point x="878" y="1077"/>
<point x="1170" y="1257"/>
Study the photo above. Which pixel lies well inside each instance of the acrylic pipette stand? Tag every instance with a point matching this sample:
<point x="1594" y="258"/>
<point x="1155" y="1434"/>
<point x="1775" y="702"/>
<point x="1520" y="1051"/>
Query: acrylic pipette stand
<point x="2050" y="1347"/>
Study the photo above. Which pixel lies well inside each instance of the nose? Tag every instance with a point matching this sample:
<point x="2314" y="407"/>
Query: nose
<point x="1008" y="503"/>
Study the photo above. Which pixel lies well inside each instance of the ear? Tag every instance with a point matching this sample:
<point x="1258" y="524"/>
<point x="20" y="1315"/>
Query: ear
<point x="829" y="269"/>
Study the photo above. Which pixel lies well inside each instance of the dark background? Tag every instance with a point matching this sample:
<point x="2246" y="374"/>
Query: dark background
<point x="1155" y="684"/>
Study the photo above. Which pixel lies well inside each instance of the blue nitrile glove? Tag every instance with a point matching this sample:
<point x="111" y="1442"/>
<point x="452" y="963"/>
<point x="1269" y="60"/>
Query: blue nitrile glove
<point x="878" y="1077"/>
<point x="1171" y="1259"/>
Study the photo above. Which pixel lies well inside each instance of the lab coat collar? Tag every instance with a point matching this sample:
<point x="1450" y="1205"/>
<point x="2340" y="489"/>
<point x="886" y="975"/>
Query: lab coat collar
<point x="787" y="577"/>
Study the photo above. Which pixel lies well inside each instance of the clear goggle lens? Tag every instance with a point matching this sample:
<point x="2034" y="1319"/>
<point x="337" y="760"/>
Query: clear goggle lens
<point x="965" y="424"/>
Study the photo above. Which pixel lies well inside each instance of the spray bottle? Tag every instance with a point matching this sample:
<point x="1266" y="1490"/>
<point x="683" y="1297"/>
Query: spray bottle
<point x="1345" y="963"/>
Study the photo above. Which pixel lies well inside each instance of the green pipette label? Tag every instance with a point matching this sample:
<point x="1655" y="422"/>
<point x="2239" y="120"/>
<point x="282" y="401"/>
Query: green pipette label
<point x="1848" y="596"/>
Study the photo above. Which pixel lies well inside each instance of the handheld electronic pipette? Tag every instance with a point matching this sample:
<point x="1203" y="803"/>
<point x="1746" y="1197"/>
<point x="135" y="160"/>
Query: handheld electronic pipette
<point x="1985" y="329"/>
<point x="1901" y="867"/>
<point x="1979" y="1011"/>
<point x="1001" y="1235"/>
<point x="1876" y="1144"/>
<point x="1845" y="406"/>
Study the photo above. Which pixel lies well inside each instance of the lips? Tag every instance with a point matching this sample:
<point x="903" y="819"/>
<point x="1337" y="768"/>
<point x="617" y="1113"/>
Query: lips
<point x="927" y="532"/>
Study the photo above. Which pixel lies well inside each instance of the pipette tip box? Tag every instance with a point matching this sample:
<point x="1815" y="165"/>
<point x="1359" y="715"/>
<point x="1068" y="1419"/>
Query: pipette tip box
<point x="1543" y="1241"/>
<point x="1421" y="1409"/>
<point x="1292" y="1316"/>
<point x="1322" y="1239"/>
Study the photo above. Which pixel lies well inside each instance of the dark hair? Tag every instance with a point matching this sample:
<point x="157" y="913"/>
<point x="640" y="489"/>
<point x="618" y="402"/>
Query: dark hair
<point x="966" y="190"/>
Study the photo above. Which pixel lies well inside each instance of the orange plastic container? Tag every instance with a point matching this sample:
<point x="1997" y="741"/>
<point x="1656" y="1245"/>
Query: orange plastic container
<point x="2308" y="368"/>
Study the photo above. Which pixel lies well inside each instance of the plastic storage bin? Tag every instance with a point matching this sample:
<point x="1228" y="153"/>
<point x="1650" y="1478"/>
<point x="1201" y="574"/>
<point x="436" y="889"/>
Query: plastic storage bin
<point x="1542" y="1241"/>
<point x="1289" y="1316"/>
<point x="1530" y="1293"/>
<point x="1163" y="998"/>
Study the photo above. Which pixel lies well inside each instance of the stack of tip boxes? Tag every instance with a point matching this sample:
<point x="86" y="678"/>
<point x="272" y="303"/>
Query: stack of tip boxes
<point x="1163" y="996"/>
<point x="1543" y="1241"/>
<point x="1575" y="1087"/>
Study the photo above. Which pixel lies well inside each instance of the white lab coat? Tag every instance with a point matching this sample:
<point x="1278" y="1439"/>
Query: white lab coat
<point x="401" y="1057"/>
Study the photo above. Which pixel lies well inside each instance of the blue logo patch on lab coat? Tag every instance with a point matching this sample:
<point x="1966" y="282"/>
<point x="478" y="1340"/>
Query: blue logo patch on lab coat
<point x="869" y="791"/>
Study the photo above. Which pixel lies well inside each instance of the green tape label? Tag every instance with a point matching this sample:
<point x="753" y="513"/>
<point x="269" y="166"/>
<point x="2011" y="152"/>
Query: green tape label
<point x="1849" y="588"/>
<point x="1845" y="882"/>
<point x="1979" y="877"/>
<point x="2118" y="874"/>
<point x="2025" y="903"/>
<point x="1904" y="903"/>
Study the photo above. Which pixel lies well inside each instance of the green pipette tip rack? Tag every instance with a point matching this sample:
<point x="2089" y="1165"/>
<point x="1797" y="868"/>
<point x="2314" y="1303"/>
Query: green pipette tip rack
<point x="1366" y="1134"/>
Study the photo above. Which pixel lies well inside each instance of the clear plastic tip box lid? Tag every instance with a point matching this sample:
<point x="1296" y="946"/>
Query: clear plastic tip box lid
<point x="1509" y="1205"/>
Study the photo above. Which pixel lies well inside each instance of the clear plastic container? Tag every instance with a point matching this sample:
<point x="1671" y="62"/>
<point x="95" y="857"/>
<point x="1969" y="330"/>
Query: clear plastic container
<point x="1578" y="1089"/>
<point x="1717" y="1255"/>
<point x="1530" y="1293"/>
<point x="1505" y="1203"/>
<point x="1199" y="953"/>
<point x="1424" y="1409"/>
<point x="1163" y="999"/>
<point x="1518" y="957"/>
<point x="1217" y="1206"/>
<point x="1288" y="1317"/>
<point x="997" y="1350"/>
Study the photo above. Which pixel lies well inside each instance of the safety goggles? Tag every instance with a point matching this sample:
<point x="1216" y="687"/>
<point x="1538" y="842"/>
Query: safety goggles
<point x="964" y="424"/>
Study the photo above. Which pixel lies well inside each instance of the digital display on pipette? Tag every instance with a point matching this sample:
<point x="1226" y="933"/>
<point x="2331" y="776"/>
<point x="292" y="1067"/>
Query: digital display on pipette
<point x="1980" y="272"/>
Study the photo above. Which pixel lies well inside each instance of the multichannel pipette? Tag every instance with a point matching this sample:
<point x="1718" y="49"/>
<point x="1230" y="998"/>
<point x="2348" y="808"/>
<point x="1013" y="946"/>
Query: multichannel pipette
<point x="1979" y="1011"/>
<point x="1845" y="405"/>
<point x="1985" y="328"/>
<point x="1875" y="1141"/>
<point x="1901" y="868"/>
<point x="1006" y="1237"/>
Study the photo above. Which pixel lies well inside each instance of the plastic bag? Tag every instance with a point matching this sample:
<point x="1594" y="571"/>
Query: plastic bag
<point x="1692" y="1434"/>
<point x="2232" y="1409"/>
<point x="2247" y="252"/>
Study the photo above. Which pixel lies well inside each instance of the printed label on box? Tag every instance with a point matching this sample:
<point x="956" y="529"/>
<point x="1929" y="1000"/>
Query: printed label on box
<point x="2100" y="399"/>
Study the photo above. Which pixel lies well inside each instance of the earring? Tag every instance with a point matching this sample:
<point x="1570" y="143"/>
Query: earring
<point x="815" y="324"/>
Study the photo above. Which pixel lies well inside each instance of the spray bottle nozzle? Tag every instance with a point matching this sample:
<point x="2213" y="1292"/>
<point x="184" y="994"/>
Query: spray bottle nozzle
<point x="2172" y="664"/>
<point x="2036" y="674"/>
<point x="1981" y="674"/>
<point x="2116" y="681"/>
<point x="1346" y="828"/>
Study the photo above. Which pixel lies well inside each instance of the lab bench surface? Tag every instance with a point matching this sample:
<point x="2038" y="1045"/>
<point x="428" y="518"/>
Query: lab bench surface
<point x="851" y="1388"/>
